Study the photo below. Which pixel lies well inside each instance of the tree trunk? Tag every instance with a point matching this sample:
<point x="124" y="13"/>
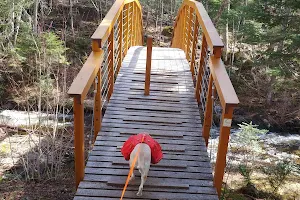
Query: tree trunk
<point x="100" y="8"/>
<point x="161" y="19"/>
<point x="147" y="17"/>
<point x="220" y="11"/>
<point x="270" y="90"/>
<point x="233" y="43"/>
<point x="156" y="23"/>
<point x="72" y="19"/>
<point x="227" y="34"/>
<point x="35" y="16"/>
<point x="171" y="13"/>
<point x="17" y="26"/>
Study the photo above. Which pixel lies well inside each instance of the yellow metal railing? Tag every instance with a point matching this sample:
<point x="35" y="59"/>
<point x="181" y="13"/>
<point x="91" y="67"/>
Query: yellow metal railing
<point x="211" y="79"/>
<point x="119" y="30"/>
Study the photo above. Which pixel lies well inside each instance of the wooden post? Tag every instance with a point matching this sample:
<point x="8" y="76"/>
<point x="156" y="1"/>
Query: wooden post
<point x="111" y="63"/>
<point x="200" y="68"/>
<point x="131" y="24"/>
<point x="183" y="43"/>
<point x="96" y="45"/>
<point x="120" y="56"/>
<point x="138" y="27"/>
<point x="97" y="106"/>
<point x="208" y="111"/>
<point x="178" y="32"/>
<point x="141" y="27"/>
<point x="79" y="140"/>
<point x="217" y="51"/>
<point x="223" y="146"/>
<point x="127" y="29"/>
<point x="195" y="40"/>
<point x="189" y="35"/>
<point x="148" y="65"/>
<point x="140" y="33"/>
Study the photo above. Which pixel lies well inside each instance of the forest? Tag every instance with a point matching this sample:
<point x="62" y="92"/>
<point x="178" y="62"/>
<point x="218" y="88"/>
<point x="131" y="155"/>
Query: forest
<point x="44" y="44"/>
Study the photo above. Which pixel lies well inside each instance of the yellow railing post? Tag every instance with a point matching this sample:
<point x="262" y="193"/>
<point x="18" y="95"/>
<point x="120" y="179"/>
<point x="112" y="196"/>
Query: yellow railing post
<point x="189" y="33"/>
<point x="184" y="38"/>
<point x="195" y="41"/>
<point x="180" y="29"/>
<point x="223" y="146"/>
<point x="79" y="139"/>
<point x="130" y="24"/>
<point x="133" y="24"/>
<point x="127" y="28"/>
<point x="208" y="111"/>
<point x="148" y="65"/>
<point x="97" y="105"/>
<point x="176" y="32"/>
<point x="200" y="68"/>
<point x="120" y="55"/>
<point x="111" y="63"/>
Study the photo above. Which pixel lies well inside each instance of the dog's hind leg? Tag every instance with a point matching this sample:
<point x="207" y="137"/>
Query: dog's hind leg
<point x="131" y="177"/>
<point x="143" y="180"/>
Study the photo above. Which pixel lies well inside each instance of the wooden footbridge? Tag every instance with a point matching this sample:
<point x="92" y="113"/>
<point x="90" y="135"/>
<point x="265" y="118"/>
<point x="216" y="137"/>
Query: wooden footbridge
<point x="167" y="92"/>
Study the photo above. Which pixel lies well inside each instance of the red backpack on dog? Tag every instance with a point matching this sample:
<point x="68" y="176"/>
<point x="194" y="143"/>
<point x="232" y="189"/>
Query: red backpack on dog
<point x="128" y="146"/>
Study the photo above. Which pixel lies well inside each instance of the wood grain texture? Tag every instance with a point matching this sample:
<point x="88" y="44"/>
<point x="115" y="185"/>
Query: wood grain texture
<point x="172" y="118"/>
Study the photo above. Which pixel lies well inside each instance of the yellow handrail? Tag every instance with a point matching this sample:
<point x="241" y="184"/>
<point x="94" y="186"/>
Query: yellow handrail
<point x="105" y="43"/>
<point x="191" y="16"/>
<point x="213" y="39"/>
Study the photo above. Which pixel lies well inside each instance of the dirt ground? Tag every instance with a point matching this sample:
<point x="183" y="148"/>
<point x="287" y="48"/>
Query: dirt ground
<point x="63" y="189"/>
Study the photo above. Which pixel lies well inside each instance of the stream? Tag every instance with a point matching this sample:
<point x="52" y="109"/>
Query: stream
<point x="275" y="146"/>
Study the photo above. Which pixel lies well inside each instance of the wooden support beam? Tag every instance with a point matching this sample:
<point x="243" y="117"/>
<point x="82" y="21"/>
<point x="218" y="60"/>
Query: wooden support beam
<point x="97" y="105"/>
<point x="189" y="34"/>
<point x="134" y="27"/>
<point x="183" y="31"/>
<point x="126" y="32"/>
<point x="200" y="68"/>
<point x="208" y="111"/>
<point x="177" y="32"/>
<point x="130" y="24"/>
<point x="120" y="55"/>
<point x="223" y="147"/>
<point x="195" y="41"/>
<point x="148" y="65"/>
<point x="111" y="64"/>
<point x="79" y="140"/>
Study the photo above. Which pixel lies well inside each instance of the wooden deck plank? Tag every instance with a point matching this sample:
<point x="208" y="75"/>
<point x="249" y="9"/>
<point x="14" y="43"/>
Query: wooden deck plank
<point x="112" y="137"/>
<point x="170" y="114"/>
<point x="166" y="155"/>
<point x="155" y="119"/>
<point x="146" y="194"/>
<point x="187" y="152"/>
<point x="103" y="164"/>
<point x="128" y="131"/>
<point x="136" y="101"/>
<point x="152" y="114"/>
<point x="172" y="138"/>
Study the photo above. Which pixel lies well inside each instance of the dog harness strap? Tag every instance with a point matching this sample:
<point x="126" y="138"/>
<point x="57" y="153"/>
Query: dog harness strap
<point x="131" y="169"/>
